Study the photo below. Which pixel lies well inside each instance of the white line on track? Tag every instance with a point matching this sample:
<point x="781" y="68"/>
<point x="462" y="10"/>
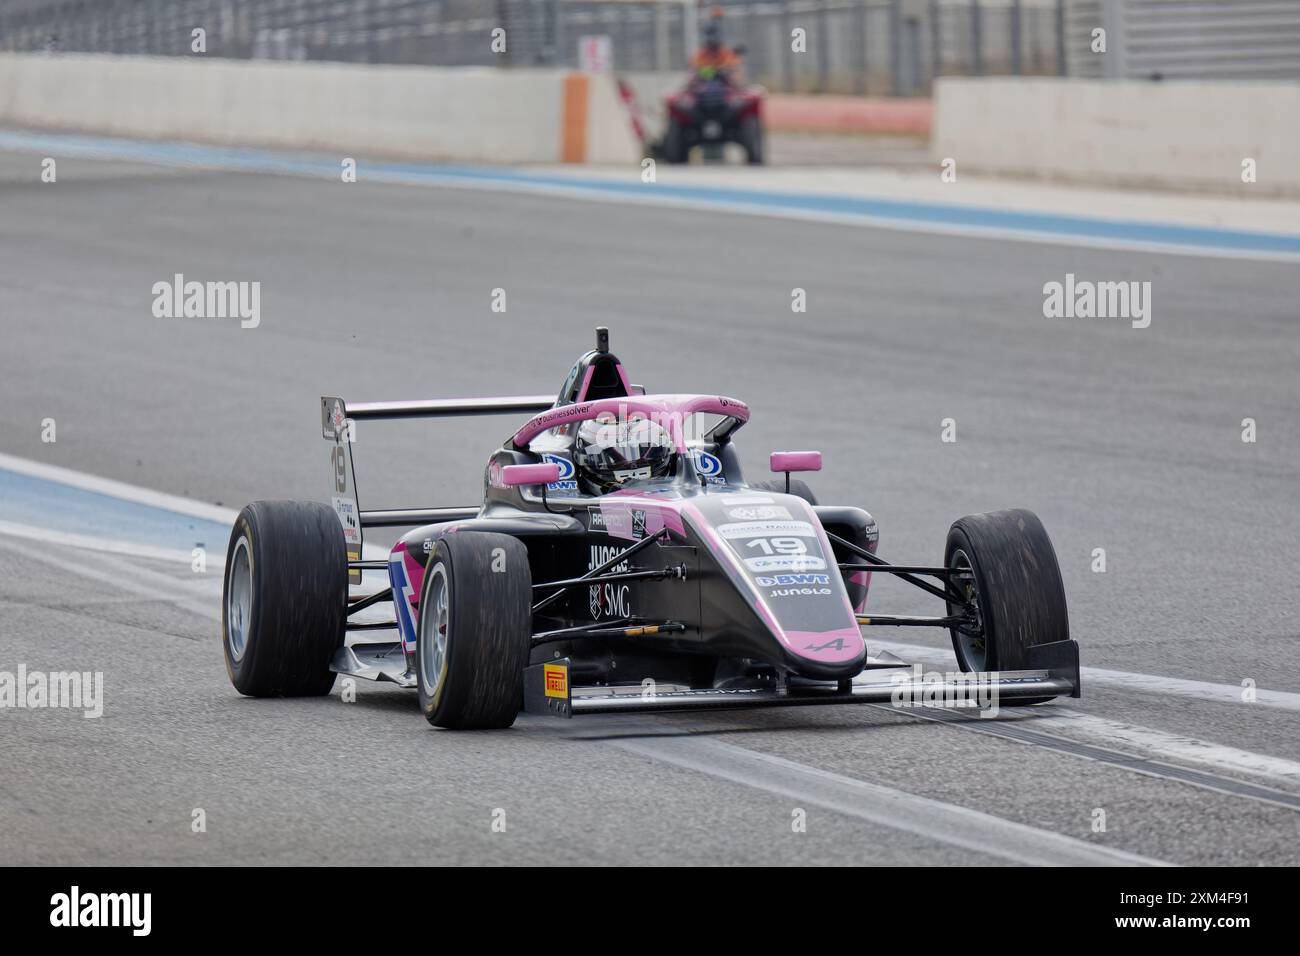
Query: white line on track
<point x="1148" y="683"/>
<point x="931" y="819"/>
<point x="87" y="542"/>
<point x="200" y="597"/>
<point x="1158" y="743"/>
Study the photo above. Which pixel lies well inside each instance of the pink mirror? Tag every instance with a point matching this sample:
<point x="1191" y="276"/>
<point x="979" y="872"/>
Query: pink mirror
<point x="543" y="474"/>
<point x="788" y="461"/>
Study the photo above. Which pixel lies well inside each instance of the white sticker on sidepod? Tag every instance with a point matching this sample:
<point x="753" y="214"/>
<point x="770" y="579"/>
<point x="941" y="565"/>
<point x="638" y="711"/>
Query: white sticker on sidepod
<point x="761" y="529"/>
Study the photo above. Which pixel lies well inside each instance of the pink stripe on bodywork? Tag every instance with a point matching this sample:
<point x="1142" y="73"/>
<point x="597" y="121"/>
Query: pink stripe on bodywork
<point x="586" y="383"/>
<point x="617" y="508"/>
<point x="863" y="578"/>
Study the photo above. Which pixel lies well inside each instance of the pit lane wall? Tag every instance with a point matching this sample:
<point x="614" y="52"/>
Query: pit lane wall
<point x="424" y="113"/>
<point x="1170" y="135"/>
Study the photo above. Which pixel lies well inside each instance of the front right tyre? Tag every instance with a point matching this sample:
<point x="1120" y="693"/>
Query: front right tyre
<point x="1010" y="577"/>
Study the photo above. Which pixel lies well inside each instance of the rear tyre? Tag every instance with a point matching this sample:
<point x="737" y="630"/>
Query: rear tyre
<point x="674" y="144"/>
<point x="284" y="604"/>
<point x="1015" y="584"/>
<point x="474" y="631"/>
<point x="798" y="488"/>
<point x="751" y="138"/>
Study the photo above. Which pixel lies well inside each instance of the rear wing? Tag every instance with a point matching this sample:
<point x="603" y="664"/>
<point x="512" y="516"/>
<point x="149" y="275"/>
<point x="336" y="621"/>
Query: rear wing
<point x="338" y="427"/>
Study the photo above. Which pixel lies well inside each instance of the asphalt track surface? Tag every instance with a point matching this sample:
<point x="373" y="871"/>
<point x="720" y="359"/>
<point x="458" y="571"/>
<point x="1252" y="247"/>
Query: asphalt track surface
<point x="1119" y="438"/>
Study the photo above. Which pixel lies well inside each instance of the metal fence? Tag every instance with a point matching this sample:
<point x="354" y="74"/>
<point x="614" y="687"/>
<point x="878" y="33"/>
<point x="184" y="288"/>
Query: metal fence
<point x="851" y="46"/>
<point x="1185" y="39"/>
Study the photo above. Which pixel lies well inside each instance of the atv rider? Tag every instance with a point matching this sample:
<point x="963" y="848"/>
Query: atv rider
<point x="715" y="60"/>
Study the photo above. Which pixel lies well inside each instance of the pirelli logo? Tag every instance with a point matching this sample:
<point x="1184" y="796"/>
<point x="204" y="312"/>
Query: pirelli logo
<point x="556" y="680"/>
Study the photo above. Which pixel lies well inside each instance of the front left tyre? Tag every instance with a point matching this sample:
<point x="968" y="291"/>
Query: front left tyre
<point x="284" y="603"/>
<point x="475" y="630"/>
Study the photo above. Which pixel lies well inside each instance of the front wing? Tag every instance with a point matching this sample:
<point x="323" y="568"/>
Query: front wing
<point x="1054" y="673"/>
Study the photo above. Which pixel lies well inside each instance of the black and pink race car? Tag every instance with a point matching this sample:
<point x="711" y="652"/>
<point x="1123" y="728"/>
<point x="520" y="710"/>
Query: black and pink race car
<point x="621" y="563"/>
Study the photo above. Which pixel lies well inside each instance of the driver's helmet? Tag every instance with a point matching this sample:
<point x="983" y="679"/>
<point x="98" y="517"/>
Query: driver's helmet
<point x="609" y="453"/>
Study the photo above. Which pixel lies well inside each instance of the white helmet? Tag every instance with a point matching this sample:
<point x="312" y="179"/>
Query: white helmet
<point x="609" y="453"/>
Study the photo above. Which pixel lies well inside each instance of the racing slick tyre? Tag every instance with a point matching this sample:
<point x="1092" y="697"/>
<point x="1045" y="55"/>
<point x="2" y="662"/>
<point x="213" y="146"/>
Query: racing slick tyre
<point x="284" y="603"/>
<point x="751" y="138"/>
<point x="674" y="145"/>
<point x="798" y="488"/>
<point x="1015" y="585"/>
<point x="475" y="627"/>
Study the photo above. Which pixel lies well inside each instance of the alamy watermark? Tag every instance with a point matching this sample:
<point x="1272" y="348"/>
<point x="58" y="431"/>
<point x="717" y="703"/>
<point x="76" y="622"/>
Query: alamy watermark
<point x="922" y="688"/>
<point x="179" y="299"/>
<point x="1084" y="299"/>
<point x="69" y="690"/>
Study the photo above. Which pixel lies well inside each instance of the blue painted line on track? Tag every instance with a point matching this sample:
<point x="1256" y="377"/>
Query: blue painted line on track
<point x="919" y="215"/>
<point x="44" y="503"/>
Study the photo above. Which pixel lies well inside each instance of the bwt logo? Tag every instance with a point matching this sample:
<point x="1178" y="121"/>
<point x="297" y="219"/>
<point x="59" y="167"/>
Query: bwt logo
<point x="74" y="909"/>
<point x="788" y="579"/>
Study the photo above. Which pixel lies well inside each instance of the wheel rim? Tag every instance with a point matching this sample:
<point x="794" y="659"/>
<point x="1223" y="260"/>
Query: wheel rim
<point x="239" y="599"/>
<point x="972" y="641"/>
<point x="435" y="618"/>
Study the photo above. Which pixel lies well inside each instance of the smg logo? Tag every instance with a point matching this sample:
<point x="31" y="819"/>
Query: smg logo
<point x="791" y="580"/>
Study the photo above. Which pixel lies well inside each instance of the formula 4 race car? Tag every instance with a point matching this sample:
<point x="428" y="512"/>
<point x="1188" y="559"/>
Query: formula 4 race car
<point x="620" y="563"/>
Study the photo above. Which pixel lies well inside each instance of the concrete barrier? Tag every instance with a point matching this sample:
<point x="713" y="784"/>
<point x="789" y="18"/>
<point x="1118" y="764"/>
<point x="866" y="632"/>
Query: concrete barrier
<point x="1171" y="135"/>
<point x="457" y="114"/>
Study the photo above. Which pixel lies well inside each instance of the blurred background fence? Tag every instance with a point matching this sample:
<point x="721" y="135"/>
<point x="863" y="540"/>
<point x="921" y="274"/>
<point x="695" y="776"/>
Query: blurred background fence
<point x="892" y="47"/>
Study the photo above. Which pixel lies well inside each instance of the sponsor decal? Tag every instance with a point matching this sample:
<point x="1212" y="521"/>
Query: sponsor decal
<point x="759" y="513"/>
<point x="759" y="529"/>
<point x="638" y="523"/>
<point x="618" y="521"/>
<point x="798" y="592"/>
<point x="346" y="509"/>
<point x="610" y="600"/>
<point x="403" y="599"/>
<point x="597" y="522"/>
<point x="600" y="553"/>
<point x="555" y="680"/>
<point x="333" y="421"/>
<point x="785" y="580"/>
<point x="566" y="483"/>
<point x="566" y="413"/>
<point x="749" y="500"/>
<point x="708" y="466"/>
<point x="785" y="562"/>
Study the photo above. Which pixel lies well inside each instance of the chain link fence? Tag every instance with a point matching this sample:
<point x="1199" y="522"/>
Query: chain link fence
<point x="848" y="46"/>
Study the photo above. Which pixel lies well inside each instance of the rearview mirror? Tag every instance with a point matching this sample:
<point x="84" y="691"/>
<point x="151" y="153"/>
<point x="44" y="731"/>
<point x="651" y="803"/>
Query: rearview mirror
<point x="788" y="461"/>
<point x="542" y="474"/>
